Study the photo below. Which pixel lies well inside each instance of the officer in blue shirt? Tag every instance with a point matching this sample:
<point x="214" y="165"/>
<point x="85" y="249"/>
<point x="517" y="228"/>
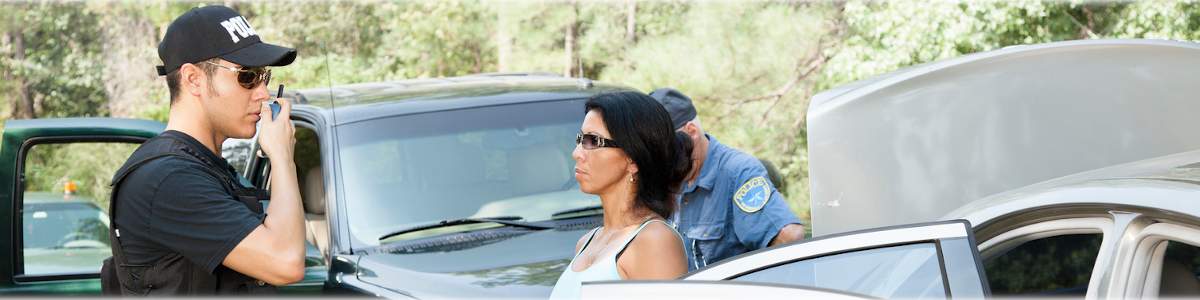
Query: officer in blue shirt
<point x="729" y="205"/>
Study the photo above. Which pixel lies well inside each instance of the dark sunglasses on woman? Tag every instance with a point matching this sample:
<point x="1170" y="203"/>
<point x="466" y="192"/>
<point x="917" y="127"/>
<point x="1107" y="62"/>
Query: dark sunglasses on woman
<point x="592" y="141"/>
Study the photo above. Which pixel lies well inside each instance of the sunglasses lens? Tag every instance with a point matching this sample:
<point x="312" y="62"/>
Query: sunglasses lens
<point x="588" y="141"/>
<point x="252" y="77"/>
<point x="246" y="79"/>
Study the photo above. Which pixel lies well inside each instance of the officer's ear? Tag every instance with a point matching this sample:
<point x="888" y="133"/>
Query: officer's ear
<point x="192" y="79"/>
<point x="691" y="129"/>
<point x="630" y="167"/>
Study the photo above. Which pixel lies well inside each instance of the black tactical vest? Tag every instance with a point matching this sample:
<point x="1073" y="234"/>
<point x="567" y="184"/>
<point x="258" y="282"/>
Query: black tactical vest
<point x="173" y="274"/>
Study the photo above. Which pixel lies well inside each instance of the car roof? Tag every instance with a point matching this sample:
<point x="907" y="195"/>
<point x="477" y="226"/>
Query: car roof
<point x="914" y="144"/>
<point x="1163" y="183"/>
<point x="363" y="101"/>
<point x="55" y="198"/>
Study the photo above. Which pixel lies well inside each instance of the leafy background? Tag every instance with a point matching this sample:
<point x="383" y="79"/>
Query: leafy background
<point x="751" y="67"/>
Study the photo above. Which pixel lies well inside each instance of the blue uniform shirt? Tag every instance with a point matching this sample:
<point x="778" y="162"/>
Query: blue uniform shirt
<point x="731" y="208"/>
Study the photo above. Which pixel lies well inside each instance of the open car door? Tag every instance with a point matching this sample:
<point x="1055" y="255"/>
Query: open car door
<point x="927" y="261"/>
<point x="54" y="176"/>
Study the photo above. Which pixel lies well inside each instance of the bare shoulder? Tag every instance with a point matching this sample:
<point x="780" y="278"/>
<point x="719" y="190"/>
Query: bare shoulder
<point x="655" y="253"/>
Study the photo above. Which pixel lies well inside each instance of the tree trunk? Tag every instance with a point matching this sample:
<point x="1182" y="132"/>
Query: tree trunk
<point x="504" y="40"/>
<point x="569" y="44"/>
<point x="9" y="77"/>
<point x="126" y="48"/>
<point x="631" y="23"/>
<point x="23" y="107"/>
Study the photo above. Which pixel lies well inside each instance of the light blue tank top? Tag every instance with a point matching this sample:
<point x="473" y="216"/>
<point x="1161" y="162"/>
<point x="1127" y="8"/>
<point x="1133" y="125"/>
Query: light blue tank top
<point x="604" y="268"/>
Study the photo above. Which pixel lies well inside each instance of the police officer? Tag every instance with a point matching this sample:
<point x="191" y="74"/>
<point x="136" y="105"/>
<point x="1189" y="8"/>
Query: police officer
<point x="728" y="206"/>
<point x="183" y="223"/>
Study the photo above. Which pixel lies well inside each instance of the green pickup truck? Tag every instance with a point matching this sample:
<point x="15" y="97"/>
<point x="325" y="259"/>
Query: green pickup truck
<point x="56" y="240"/>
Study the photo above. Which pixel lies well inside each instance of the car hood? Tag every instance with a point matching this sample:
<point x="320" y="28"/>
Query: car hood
<point x="912" y="145"/>
<point x="526" y="266"/>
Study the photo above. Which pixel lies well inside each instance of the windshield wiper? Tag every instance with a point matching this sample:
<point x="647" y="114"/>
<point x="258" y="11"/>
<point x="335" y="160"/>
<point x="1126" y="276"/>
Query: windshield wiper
<point x="578" y="210"/>
<point x="505" y="220"/>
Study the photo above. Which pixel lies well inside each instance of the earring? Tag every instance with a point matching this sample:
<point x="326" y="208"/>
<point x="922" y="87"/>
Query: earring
<point x="630" y="178"/>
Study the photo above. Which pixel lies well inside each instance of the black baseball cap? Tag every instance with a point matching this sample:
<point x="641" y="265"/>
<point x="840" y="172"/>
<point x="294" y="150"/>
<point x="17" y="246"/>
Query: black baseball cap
<point x="217" y="31"/>
<point x="677" y="104"/>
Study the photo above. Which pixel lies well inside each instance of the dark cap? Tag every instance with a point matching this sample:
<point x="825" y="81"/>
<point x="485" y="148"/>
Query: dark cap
<point x="217" y="31"/>
<point x="677" y="104"/>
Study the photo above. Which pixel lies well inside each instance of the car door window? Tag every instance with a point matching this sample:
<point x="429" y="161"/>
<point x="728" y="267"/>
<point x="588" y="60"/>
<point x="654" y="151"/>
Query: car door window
<point x="310" y="178"/>
<point x="928" y="260"/>
<point x="238" y="153"/>
<point x="64" y="224"/>
<point x="907" y="271"/>
<point x="1180" y="274"/>
<point x="1053" y="266"/>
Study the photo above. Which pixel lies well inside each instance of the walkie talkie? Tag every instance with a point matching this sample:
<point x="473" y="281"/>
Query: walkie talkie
<point x="274" y="112"/>
<point x="275" y="103"/>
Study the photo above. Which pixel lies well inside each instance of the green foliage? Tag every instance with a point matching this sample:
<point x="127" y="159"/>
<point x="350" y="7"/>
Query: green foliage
<point x="750" y="66"/>
<point x="352" y="42"/>
<point x="61" y="51"/>
<point x="741" y="64"/>
<point x="1178" y="20"/>
<point x="1057" y="265"/>
<point x="48" y="167"/>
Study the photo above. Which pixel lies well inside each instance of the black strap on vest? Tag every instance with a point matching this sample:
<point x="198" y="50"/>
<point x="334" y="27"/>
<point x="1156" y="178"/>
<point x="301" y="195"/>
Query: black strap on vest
<point x="110" y="277"/>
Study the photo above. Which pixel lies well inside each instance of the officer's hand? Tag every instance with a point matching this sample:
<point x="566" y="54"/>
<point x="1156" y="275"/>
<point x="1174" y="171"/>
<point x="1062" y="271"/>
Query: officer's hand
<point x="277" y="137"/>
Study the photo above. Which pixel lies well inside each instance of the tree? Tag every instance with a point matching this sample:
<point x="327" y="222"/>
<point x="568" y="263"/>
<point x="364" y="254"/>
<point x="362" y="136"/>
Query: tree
<point x="52" y="56"/>
<point x="750" y="66"/>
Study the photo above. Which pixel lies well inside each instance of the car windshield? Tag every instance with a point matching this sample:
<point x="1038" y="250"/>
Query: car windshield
<point x="506" y="160"/>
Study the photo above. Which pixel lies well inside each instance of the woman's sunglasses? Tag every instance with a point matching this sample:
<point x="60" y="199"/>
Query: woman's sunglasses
<point x="248" y="78"/>
<point x="592" y="141"/>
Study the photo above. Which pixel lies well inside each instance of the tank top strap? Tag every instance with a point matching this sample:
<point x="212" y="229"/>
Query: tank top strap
<point x="636" y="232"/>
<point x="591" y="236"/>
<point x="639" y="230"/>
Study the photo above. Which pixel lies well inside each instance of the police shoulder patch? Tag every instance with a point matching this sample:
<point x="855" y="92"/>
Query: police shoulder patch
<point x="753" y="195"/>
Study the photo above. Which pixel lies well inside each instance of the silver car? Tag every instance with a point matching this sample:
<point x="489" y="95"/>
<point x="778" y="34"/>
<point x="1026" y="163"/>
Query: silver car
<point x="1073" y="165"/>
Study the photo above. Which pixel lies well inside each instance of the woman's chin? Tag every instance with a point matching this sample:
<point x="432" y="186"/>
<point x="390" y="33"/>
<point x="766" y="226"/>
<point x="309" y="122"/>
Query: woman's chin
<point x="586" y="189"/>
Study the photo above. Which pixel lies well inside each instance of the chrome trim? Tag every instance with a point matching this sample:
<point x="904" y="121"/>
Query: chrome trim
<point x="1145" y="256"/>
<point x="869" y="239"/>
<point x="706" y="290"/>
<point x="1104" y="283"/>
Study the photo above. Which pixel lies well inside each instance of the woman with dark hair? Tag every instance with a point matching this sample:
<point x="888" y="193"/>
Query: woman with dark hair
<point x="627" y="153"/>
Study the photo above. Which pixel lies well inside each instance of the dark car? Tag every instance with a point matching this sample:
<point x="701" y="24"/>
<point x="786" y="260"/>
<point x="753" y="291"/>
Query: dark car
<point x="432" y="188"/>
<point x="454" y="187"/>
<point x="63" y="234"/>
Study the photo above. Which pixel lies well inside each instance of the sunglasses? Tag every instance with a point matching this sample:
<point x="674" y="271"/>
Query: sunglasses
<point x="592" y="141"/>
<point x="248" y="78"/>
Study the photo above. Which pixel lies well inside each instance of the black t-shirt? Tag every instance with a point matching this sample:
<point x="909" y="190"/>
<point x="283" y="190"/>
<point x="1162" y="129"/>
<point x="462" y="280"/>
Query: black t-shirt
<point x="173" y="205"/>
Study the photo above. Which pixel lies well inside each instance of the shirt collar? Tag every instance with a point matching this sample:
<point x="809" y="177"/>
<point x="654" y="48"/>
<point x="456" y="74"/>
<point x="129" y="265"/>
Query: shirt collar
<point x="708" y="172"/>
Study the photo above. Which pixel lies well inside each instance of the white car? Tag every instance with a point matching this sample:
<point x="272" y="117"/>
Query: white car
<point x="925" y="261"/>
<point x="1075" y="166"/>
